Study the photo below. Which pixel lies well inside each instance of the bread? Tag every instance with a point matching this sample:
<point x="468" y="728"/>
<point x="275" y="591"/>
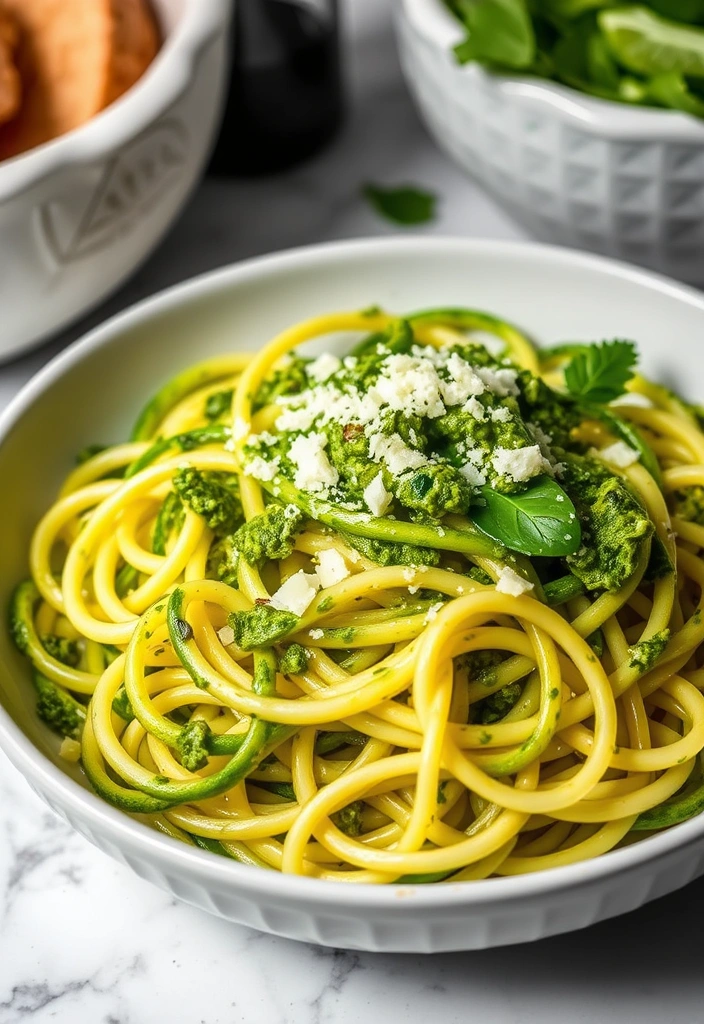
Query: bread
<point x="75" y="57"/>
<point x="10" y="84"/>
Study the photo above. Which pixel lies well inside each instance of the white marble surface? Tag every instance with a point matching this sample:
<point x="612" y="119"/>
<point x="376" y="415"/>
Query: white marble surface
<point x="82" y="941"/>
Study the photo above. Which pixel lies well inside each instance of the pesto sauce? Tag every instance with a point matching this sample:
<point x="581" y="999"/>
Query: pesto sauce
<point x="269" y="535"/>
<point x="261" y="626"/>
<point x="644" y="654"/>
<point x="432" y="456"/>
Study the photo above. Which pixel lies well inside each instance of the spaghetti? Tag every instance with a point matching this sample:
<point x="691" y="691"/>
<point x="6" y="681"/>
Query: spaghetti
<point x="429" y="610"/>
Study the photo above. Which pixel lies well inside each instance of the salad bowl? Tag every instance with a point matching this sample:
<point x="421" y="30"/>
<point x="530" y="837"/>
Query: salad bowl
<point x="625" y="181"/>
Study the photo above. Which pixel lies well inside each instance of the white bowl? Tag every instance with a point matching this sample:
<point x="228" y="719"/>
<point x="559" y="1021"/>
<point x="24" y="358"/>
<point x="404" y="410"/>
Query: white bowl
<point x="79" y="214"/>
<point x="620" y="180"/>
<point x="104" y="379"/>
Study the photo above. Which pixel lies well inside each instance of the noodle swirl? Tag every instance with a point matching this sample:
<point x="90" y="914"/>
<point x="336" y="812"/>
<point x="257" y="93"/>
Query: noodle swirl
<point x="405" y="694"/>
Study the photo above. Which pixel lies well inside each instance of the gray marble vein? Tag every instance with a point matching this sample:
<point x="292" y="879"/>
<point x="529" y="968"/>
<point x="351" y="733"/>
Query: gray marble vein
<point x="83" y="941"/>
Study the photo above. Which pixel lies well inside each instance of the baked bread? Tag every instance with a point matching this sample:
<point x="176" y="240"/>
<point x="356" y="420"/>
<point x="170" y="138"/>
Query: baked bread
<point x="10" y="84"/>
<point x="75" y="57"/>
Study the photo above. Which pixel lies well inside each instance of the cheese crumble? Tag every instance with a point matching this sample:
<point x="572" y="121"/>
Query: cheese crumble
<point x="619" y="454"/>
<point x="509" y="582"/>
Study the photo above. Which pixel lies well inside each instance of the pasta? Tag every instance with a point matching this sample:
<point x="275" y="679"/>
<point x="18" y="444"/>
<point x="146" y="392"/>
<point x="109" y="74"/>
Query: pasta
<point x="427" y="611"/>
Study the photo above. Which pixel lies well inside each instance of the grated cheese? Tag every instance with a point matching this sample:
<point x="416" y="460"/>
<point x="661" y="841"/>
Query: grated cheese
<point x="332" y="568"/>
<point x="509" y="582"/>
<point x="619" y="454"/>
<point x="376" y="496"/>
<point x="296" y="593"/>
<point x="519" y="464"/>
<point x="314" y="471"/>
<point x="262" y="469"/>
<point x="323" y="367"/>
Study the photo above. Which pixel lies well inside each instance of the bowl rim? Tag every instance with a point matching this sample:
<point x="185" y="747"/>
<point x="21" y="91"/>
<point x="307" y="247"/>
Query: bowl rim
<point x="158" y="89"/>
<point x="62" y="791"/>
<point x="622" y="121"/>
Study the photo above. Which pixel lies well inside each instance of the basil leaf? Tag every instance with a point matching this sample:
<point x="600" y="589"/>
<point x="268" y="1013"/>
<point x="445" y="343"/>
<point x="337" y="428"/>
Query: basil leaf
<point x="500" y="32"/>
<point x="600" y="372"/>
<point x="405" y="205"/>
<point x="540" y="521"/>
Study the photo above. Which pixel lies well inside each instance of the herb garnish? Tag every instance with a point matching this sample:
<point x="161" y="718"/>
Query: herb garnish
<point x="405" y="205"/>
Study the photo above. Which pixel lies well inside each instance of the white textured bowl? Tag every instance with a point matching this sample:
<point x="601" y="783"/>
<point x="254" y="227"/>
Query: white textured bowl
<point x="79" y="214"/>
<point x="103" y="380"/>
<point x="620" y="180"/>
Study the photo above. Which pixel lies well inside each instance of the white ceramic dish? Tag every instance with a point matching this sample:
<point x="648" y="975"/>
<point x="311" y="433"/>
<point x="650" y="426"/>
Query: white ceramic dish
<point x="620" y="180"/>
<point x="554" y="294"/>
<point x="79" y="214"/>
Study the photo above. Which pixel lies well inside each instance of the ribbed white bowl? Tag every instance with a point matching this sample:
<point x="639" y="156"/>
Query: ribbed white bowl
<point x="554" y="294"/>
<point x="79" y="214"/>
<point x="619" y="180"/>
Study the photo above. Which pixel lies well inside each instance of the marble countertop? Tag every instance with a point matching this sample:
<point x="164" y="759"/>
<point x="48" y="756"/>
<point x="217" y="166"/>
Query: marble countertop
<point x="83" y="941"/>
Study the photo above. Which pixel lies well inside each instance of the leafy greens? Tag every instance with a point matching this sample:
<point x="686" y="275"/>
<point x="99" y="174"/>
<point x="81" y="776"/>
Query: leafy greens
<point x="539" y="521"/>
<point x="648" y="53"/>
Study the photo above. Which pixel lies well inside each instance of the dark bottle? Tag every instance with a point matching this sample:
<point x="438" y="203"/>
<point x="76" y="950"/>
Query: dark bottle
<point x="285" y="96"/>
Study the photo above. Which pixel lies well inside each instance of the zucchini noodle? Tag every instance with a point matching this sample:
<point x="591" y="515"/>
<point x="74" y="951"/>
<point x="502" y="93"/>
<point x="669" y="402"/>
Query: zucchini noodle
<point x="430" y="610"/>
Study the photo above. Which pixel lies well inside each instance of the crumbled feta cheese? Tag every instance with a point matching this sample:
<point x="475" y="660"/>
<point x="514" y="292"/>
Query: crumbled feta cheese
<point x="501" y="382"/>
<point x="413" y="590"/>
<point x="619" y="454"/>
<point x="433" y="611"/>
<point x="395" y="454"/>
<point x="297" y="419"/>
<point x="240" y="429"/>
<point x="475" y="409"/>
<point x="500" y="415"/>
<point x="323" y="367"/>
<point x="314" y="471"/>
<point x="509" y="582"/>
<point x="226" y="636"/>
<point x="633" y="398"/>
<point x="332" y="568"/>
<point x="411" y="385"/>
<point x="316" y="634"/>
<point x="409" y="575"/>
<point x="265" y="438"/>
<point x="473" y="475"/>
<point x="296" y="593"/>
<point x="262" y="469"/>
<point x="376" y="496"/>
<point x="464" y="382"/>
<point x="519" y="464"/>
<point x="541" y="436"/>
